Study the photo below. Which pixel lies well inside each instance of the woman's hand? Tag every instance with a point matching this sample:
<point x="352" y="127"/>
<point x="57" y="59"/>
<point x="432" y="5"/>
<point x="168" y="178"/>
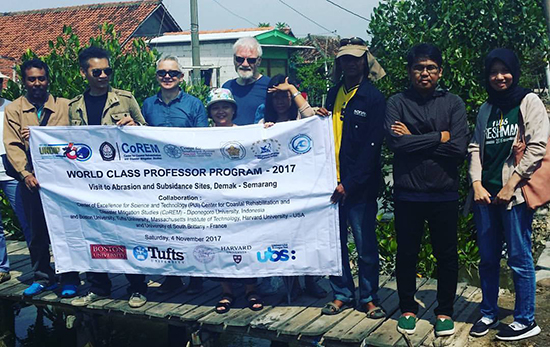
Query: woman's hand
<point x="322" y="112"/>
<point x="283" y="87"/>
<point x="481" y="195"/>
<point x="268" y="125"/>
<point x="507" y="192"/>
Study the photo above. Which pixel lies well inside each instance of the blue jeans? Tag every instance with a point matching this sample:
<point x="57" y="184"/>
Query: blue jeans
<point x="362" y="220"/>
<point x="12" y="190"/>
<point x="496" y="224"/>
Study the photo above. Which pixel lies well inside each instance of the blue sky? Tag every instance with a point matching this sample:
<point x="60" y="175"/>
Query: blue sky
<point x="212" y="16"/>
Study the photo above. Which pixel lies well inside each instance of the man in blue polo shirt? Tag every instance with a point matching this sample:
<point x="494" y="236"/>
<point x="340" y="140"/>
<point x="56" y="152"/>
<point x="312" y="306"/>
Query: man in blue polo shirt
<point x="172" y="107"/>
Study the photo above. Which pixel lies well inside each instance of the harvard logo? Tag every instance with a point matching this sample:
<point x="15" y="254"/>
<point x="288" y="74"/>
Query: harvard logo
<point x="237" y="258"/>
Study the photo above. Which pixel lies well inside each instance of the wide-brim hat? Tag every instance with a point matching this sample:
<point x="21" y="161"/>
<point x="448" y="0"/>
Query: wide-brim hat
<point x="376" y="71"/>
<point x="220" y="94"/>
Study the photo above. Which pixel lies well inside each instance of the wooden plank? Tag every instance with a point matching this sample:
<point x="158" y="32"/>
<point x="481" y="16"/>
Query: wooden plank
<point x="466" y="305"/>
<point x="118" y="290"/>
<point x="356" y="316"/>
<point x="166" y="309"/>
<point x="207" y="309"/>
<point x="13" y="246"/>
<point x="198" y="306"/>
<point x="359" y="332"/>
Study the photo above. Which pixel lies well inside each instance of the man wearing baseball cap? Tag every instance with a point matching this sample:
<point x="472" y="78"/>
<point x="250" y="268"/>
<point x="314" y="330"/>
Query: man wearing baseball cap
<point x="358" y="110"/>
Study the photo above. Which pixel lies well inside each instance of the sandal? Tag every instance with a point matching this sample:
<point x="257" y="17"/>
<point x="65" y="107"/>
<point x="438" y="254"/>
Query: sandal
<point x="254" y="299"/>
<point x="224" y="305"/>
<point x="376" y="313"/>
<point x="331" y="308"/>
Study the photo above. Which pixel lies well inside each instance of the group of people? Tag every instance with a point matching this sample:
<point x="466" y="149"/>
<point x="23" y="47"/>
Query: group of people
<point x="425" y="126"/>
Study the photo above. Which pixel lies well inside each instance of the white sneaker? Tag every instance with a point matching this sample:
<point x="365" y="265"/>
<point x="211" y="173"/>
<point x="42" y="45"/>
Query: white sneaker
<point x="86" y="300"/>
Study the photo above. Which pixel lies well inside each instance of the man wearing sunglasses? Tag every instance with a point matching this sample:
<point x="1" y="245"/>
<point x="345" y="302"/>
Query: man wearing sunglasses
<point x="172" y="107"/>
<point x="427" y="130"/>
<point x="36" y="108"/>
<point x="101" y="104"/>
<point x="358" y="110"/>
<point x="250" y="88"/>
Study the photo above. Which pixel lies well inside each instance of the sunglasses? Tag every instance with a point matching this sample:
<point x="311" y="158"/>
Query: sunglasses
<point x="171" y="73"/>
<point x="352" y="41"/>
<point x="240" y="60"/>
<point x="97" y="72"/>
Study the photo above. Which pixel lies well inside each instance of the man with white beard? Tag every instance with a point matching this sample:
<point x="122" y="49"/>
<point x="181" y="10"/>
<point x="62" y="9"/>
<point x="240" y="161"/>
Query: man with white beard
<point x="250" y="88"/>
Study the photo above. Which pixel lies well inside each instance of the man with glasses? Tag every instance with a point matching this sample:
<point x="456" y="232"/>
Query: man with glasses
<point x="172" y="107"/>
<point x="427" y="130"/>
<point x="250" y="88"/>
<point x="36" y="108"/>
<point x="358" y="110"/>
<point x="103" y="105"/>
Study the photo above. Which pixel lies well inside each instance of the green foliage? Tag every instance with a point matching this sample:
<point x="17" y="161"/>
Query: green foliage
<point x="134" y="65"/>
<point x="313" y="78"/>
<point x="263" y="25"/>
<point x="465" y="31"/>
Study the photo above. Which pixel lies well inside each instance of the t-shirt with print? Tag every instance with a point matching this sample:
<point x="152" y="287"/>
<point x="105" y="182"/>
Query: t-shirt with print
<point x="94" y="107"/>
<point x="338" y="113"/>
<point x="500" y="133"/>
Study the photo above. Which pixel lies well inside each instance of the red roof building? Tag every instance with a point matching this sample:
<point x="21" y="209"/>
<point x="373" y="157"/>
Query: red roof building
<point x="20" y="31"/>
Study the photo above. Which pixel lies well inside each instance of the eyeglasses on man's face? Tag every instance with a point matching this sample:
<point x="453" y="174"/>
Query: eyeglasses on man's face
<point x="431" y="69"/>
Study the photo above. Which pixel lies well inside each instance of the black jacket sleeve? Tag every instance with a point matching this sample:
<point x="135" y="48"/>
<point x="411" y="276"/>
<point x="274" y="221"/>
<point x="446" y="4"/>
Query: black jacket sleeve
<point x="457" y="146"/>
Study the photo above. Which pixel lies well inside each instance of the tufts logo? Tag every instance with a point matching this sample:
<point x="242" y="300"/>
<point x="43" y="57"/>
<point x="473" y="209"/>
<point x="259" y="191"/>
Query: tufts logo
<point x="172" y="151"/>
<point x="107" y="151"/>
<point x="301" y="144"/>
<point x="78" y="151"/>
<point x="233" y="150"/>
<point x="264" y="149"/>
<point x="140" y="253"/>
<point x="276" y="255"/>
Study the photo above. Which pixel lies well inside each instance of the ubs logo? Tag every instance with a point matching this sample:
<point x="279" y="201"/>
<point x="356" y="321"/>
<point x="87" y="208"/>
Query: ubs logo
<point x="276" y="255"/>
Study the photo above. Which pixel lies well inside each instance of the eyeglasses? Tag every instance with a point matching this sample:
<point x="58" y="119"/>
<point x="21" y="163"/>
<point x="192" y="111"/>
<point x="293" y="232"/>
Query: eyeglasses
<point x="352" y="41"/>
<point x="97" y="72"/>
<point x="431" y="69"/>
<point x="171" y="73"/>
<point x="240" y="60"/>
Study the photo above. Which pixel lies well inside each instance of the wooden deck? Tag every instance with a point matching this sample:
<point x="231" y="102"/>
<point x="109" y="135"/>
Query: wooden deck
<point x="301" y="321"/>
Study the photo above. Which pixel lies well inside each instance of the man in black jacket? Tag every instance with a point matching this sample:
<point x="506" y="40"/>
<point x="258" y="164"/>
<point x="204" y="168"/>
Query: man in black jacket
<point x="358" y="110"/>
<point x="428" y="132"/>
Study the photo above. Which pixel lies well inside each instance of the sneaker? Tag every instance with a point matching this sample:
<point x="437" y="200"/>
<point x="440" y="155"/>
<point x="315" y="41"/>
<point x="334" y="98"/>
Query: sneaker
<point x="406" y="324"/>
<point x="482" y="326"/>
<point x="517" y="331"/>
<point x="68" y="291"/>
<point x="4" y="276"/>
<point x="137" y="300"/>
<point x="444" y="327"/>
<point x="86" y="300"/>
<point x="37" y="288"/>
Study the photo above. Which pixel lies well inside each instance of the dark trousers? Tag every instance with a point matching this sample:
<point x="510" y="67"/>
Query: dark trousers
<point x="39" y="246"/>
<point x="442" y="218"/>
<point x="100" y="283"/>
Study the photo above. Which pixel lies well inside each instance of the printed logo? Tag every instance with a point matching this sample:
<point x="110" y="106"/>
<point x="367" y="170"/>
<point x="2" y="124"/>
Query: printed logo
<point x="264" y="149"/>
<point x="360" y="113"/>
<point x="78" y="151"/>
<point x="233" y="150"/>
<point x="204" y="254"/>
<point x="140" y="253"/>
<point x="237" y="258"/>
<point x="172" y="151"/>
<point x="301" y="144"/>
<point x="274" y="255"/>
<point x="140" y="151"/>
<point x="236" y="249"/>
<point x="108" y="252"/>
<point x="107" y="151"/>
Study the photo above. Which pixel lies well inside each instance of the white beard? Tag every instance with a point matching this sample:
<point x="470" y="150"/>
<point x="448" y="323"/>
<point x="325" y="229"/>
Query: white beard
<point x="246" y="74"/>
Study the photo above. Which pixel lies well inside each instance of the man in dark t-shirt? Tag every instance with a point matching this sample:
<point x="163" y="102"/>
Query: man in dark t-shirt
<point x="250" y="88"/>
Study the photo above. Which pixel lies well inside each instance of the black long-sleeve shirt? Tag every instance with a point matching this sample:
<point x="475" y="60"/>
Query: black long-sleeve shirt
<point x="424" y="169"/>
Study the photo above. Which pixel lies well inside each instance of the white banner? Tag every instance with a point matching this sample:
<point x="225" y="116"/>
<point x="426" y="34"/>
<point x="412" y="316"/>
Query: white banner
<point x="225" y="202"/>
